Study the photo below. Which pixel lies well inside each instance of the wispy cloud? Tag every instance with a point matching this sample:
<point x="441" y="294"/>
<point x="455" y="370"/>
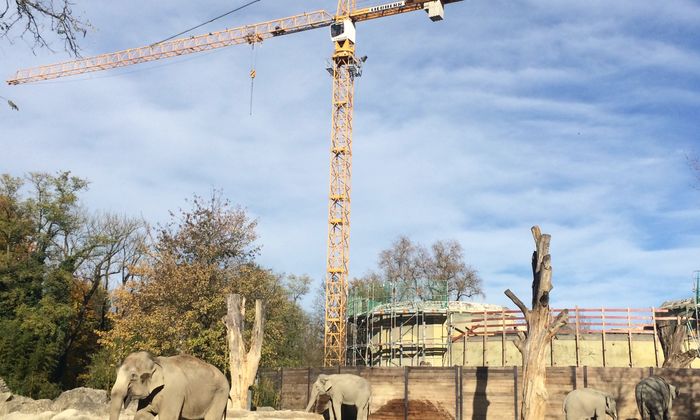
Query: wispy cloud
<point x="576" y="116"/>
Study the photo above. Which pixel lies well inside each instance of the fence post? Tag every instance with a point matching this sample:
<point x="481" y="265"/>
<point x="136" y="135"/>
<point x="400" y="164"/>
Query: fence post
<point x="602" y="316"/>
<point x="464" y="349"/>
<point x="458" y="392"/>
<point x="503" y="337"/>
<point x="629" y="335"/>
<point x="585" y="376"/>
<point x="653" y="322"/>
<point x="308" y="384"/>
<point x="578" y="358"/>
<point x="405" y="393"/>
<point x="483" y="341"/>
<point x="515" y="392"/>
<point x="279" y="403"/>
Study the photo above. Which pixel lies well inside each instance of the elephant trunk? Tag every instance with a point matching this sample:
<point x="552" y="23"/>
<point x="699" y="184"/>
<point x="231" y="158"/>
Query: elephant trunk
<point x="119" y="396"/>
<point x="312" y="400"/>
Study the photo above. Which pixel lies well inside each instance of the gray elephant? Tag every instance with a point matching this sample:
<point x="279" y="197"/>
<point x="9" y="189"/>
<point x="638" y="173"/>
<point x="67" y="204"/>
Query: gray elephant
<point x="342" y="389"/>
<point x="169" y="387"/>
<point x="589" y="403"/>
<point x="655" y="398"/>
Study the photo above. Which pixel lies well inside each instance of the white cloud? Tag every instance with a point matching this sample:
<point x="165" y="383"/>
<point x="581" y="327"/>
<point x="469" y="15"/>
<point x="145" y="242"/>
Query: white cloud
<point x="576" y="117"/>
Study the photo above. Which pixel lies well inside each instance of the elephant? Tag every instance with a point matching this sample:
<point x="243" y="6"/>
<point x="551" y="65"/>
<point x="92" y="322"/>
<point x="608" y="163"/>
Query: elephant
<point x="170" y="387"/>
<point x="655" y="398"/>
<point x="343" y="389"/>
<point x="589" y="403"/>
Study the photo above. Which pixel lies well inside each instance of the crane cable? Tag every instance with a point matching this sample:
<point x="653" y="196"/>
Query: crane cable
<point x="207" y="22"/>
<point x="253" y="56"/>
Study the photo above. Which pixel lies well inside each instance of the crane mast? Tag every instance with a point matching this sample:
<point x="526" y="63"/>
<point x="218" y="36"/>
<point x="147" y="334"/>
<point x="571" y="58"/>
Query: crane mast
<point x="345" y="67"/>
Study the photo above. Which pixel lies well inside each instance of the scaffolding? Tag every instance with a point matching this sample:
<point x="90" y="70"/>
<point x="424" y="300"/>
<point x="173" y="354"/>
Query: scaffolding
<point x="405" y="333"/>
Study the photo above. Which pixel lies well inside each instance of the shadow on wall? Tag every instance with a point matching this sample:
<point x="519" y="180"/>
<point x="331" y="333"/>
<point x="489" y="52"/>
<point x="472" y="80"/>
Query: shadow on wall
<point x="480" y="403"/>
<point x="417" y="409"/>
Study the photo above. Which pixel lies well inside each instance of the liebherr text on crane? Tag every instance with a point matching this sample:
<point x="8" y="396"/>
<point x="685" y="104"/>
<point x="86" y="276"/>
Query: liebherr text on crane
<point x="346" y="66"/>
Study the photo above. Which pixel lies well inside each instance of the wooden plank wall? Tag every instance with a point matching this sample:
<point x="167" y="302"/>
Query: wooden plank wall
<point x="485" y="393"/>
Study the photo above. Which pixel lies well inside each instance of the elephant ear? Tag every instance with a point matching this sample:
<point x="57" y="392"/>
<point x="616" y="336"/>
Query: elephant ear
<point x="325" y="382"/>
<point x="155" y="379"/>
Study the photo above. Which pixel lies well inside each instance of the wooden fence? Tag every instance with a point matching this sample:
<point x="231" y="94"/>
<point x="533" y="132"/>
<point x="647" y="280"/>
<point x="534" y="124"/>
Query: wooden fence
<point x="607" y="337"/>
<point x="482" y="393"/>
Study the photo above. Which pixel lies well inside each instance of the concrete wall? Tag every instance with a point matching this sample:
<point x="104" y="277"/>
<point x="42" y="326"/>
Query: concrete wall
<point x="485" y="393"/>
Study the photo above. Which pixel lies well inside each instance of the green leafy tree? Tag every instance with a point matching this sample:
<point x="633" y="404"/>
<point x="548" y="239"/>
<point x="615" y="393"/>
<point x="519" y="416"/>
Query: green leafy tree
<point x="54" y="273"/>
<point x="35" y="283"/>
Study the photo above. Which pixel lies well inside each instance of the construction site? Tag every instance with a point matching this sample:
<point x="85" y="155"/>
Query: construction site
<point x="448" y="333"/>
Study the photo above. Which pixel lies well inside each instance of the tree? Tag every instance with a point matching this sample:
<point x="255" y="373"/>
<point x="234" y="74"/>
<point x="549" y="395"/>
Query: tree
<point x="52" y="281"/>
<point x="410" y="271"/>
<point x="33" y="17"/>
<point x="243" y="364"/>
<point x="107" y="247"/>
<point x="371" y="286"/>
<point x="446" y="265"/>
<point x="176" y="305"/>
<point x="540" y="330"/>
<point x="297" y="286"/>
<point x="673" y="334"/>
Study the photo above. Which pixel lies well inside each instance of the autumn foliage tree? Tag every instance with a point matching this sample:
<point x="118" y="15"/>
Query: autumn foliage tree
<point x="176" y="306"/>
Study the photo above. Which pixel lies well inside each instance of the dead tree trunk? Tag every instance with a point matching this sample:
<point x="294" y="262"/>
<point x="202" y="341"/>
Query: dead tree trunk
<point x="540" y="329"/>
<point x="672" y="334"/>
<point x="243" y="365"/>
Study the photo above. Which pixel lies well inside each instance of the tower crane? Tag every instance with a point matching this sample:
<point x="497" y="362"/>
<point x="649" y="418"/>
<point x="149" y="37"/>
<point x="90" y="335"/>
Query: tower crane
<point x="345" y="67"/>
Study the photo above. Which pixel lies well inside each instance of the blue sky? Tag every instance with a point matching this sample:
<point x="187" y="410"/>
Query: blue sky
<point x="577" y="116"/>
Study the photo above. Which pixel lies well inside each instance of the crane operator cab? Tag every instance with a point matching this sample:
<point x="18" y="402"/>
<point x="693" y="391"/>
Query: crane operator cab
<point x="343" y="30"/>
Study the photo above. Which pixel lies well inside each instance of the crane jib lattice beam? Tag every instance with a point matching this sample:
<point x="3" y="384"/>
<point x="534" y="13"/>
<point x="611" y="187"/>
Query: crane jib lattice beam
<point x="181" y="46"/>
<point x="176" y="47"/>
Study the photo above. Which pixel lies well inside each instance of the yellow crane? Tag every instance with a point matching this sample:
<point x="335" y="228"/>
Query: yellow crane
<point x="346" y="66"/>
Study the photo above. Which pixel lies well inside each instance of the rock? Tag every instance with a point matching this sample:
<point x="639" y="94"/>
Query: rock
<point x="46" y="415"/>
<point x="18" y="403"/>
<point x="272" y="415"/>
<point x="82" y="399"/>
<point x="73" y="414"/>
<point x="3" y="386"/>
<point x="5" y="396"/>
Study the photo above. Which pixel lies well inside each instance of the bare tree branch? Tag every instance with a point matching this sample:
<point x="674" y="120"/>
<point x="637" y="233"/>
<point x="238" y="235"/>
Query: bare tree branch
<point x="519" y="303"/>
<point x="28" y="16"/>
<point x="561" y="320"/>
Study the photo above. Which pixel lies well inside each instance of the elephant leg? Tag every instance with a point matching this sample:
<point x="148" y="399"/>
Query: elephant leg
<point x="217" y="410"/>
<point x="144" y="415"/>
<point x="329" y="407"/>
<point x="337" y="407"/>
<point x="170" y="411"/>
<point x="363" y="411"/>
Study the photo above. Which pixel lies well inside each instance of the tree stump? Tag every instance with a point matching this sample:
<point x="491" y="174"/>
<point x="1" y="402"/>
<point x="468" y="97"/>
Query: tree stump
<point x="243" y="365"/>
<point x="672" y="335"/>
<point x="540" y="330"/>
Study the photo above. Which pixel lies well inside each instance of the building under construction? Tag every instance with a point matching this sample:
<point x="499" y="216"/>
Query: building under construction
<point x="441" y="333"/>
